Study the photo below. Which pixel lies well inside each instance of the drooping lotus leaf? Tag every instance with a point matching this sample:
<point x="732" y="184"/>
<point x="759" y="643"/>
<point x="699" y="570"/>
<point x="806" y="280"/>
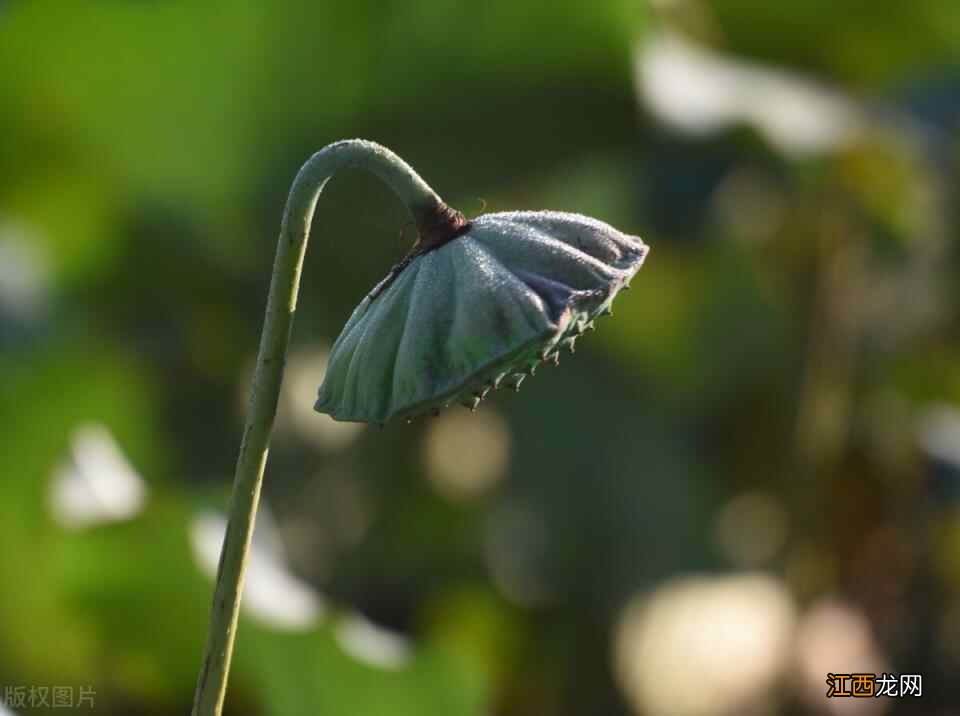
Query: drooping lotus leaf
<point x="481" y="310"/>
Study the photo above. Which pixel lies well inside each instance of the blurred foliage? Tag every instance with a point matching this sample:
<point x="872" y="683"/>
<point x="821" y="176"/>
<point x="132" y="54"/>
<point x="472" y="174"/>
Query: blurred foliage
<point x="796" y="322"/>
<point x="864" y="45"/>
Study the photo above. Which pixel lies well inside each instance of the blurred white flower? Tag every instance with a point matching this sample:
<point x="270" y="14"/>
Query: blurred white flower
<point x="270" y="593"/>
<point x="278" y="598"/>
<point x="835" y="637"/>
<point x="95" y="485"/>
<point x="466" y="455"/>
<point x="699" y="91"/>
<point x="705" y="646"/>
<point x="372" y="644"/>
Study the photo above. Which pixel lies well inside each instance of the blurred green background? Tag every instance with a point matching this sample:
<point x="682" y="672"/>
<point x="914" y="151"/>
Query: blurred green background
<point x="747" y="478"/>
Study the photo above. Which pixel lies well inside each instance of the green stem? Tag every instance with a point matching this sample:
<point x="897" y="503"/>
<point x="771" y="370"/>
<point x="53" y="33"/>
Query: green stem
<point x="428" y="211"/>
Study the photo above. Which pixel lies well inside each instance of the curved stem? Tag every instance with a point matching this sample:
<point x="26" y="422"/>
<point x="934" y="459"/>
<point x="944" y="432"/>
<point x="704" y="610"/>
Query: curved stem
<point x="429" y="211"/>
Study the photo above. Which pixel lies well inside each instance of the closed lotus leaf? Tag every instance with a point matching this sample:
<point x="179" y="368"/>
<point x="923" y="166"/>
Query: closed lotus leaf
<point x="478" y="311"/>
